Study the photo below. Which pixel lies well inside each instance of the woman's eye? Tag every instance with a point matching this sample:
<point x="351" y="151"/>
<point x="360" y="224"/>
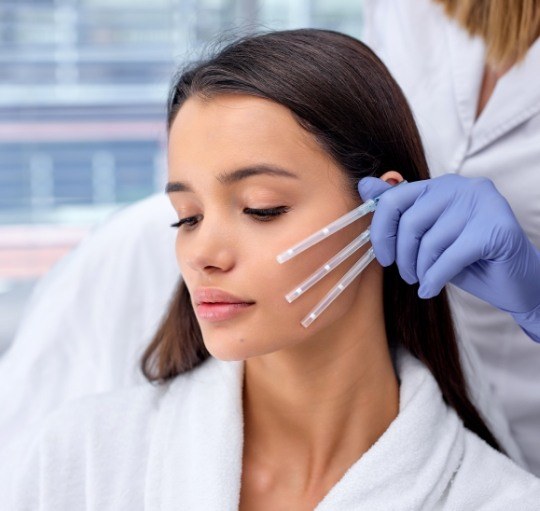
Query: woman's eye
<point x="266" y="215"/>
<point x="189" y="221"/>
<point x="261" y="215"/>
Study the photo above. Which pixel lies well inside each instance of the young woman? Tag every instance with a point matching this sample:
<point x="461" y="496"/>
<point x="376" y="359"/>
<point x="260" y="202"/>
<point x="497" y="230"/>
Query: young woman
<point x="365" y="409"/>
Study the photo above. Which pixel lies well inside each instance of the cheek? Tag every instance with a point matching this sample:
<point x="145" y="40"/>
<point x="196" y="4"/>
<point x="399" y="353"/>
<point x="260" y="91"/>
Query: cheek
<point x="277" y="280"/>
<point x="276" y="323"/>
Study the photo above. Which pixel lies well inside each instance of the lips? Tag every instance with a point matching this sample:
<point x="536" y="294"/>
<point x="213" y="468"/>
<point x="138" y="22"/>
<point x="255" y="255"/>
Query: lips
<point x="204" y="295"/>
<point x="215" y="305"/>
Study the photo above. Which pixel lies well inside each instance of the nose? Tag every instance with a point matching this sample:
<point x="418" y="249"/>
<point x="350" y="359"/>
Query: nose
<point x="211" y="250"/>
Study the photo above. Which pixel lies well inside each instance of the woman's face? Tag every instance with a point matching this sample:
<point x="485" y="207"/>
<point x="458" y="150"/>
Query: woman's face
<point x="229" y="156"/>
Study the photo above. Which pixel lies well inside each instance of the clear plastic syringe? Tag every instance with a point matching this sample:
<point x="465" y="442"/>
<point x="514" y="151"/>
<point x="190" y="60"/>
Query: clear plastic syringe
<point x="335" y="226"/>
<point x="343" y="254"/>
<point x="348" y="218"/>
<point x="362" y="210"/>
<point x="339" y="287"/>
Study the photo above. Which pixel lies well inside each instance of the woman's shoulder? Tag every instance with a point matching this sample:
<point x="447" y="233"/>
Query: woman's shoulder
<point x="102" y="412"/>
<point x="458" y="469"/>
<point x="487" y="479"/>
<point x="100" y="427"/>
<point x="117" y="418"/>
<point x="129" y="408"/>
<point x="103" y="440"/>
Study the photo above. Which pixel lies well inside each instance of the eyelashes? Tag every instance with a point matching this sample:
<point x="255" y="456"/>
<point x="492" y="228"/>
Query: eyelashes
<point x="260" y="215"/>
<point x="188" y="221"/>
<point x="266" y="215"/>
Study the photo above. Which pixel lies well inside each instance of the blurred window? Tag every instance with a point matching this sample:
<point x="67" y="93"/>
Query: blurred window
<point x="83" y="86"/>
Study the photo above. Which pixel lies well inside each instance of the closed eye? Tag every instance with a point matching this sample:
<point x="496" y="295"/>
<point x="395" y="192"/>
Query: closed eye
<point x="260" y="215"/>
<point x="266" y="215"/>
<point x="190" y="221"/>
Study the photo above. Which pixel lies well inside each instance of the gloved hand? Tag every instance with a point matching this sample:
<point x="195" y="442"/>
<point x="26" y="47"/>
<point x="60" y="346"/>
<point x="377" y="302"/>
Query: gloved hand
<point x="459" y="230"/>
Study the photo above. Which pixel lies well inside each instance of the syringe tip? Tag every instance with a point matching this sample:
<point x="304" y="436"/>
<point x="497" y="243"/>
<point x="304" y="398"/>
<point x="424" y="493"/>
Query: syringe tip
<point x="285" y="256"/>
<point x="310" y="319"/>
<point x="291" y="297"/>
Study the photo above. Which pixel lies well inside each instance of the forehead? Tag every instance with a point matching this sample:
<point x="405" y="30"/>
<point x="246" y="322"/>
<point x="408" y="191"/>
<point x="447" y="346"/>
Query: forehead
<point x="239" y="130"/>
<point x="235" y="116"/>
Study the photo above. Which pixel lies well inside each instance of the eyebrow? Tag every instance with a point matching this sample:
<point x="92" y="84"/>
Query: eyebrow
<point x="228" y="178"/>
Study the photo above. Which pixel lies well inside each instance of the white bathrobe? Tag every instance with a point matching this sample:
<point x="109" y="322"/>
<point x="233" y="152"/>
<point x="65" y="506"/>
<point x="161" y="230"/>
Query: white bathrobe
<point x="179" y="447"/>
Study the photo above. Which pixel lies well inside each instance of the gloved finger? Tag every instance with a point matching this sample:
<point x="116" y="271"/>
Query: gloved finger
<point x="413" y="225"/>
<point x="461" y="254"/>
<point x="442" y="234"/>
<point x="384" y="224"/>
<point x="369" y="187"/>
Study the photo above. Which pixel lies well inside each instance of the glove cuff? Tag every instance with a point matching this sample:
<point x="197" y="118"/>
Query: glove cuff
<point x="529" y="323"/>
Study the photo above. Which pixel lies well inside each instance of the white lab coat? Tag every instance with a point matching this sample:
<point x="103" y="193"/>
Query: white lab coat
<point x="179" y="447"/>
<point x="439" y="67"/>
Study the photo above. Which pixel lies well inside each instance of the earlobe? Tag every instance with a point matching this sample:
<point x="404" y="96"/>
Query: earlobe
<point x="392" y="177"/>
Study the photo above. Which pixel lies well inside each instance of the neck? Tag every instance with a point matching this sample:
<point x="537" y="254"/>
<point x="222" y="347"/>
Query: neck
<point x="312" y="411"/>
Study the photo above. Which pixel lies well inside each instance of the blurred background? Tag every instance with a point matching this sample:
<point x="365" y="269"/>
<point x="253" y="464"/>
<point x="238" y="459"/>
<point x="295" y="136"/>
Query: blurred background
<point x="83" y="87"/>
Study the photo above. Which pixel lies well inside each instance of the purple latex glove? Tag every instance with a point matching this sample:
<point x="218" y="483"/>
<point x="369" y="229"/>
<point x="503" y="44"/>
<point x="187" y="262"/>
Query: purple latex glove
<point x="459" y="230"/>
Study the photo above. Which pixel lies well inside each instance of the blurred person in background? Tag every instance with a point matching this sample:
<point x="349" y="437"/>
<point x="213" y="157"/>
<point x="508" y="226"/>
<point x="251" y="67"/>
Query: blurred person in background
<point x="470" y="70"/>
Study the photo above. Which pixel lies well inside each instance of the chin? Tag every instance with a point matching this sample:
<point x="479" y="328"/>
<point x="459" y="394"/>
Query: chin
<point x="228" y="350"/>
<point x="227" y="356"/>
<point x="236" y="348"/>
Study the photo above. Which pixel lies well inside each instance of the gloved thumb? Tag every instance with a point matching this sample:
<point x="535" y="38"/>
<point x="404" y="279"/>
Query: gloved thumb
<point x="369" y="187"/>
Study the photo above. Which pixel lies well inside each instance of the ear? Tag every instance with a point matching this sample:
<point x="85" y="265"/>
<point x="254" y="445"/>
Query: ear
<point x="392" y="177"/>
<point x="369" y="187"/>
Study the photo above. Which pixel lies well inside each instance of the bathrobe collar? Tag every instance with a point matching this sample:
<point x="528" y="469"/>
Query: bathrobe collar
<point x="196" y="451"/>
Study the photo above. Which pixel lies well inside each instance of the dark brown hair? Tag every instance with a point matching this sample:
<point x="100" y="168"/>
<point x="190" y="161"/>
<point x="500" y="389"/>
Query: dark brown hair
<point x="340" y="92"/>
